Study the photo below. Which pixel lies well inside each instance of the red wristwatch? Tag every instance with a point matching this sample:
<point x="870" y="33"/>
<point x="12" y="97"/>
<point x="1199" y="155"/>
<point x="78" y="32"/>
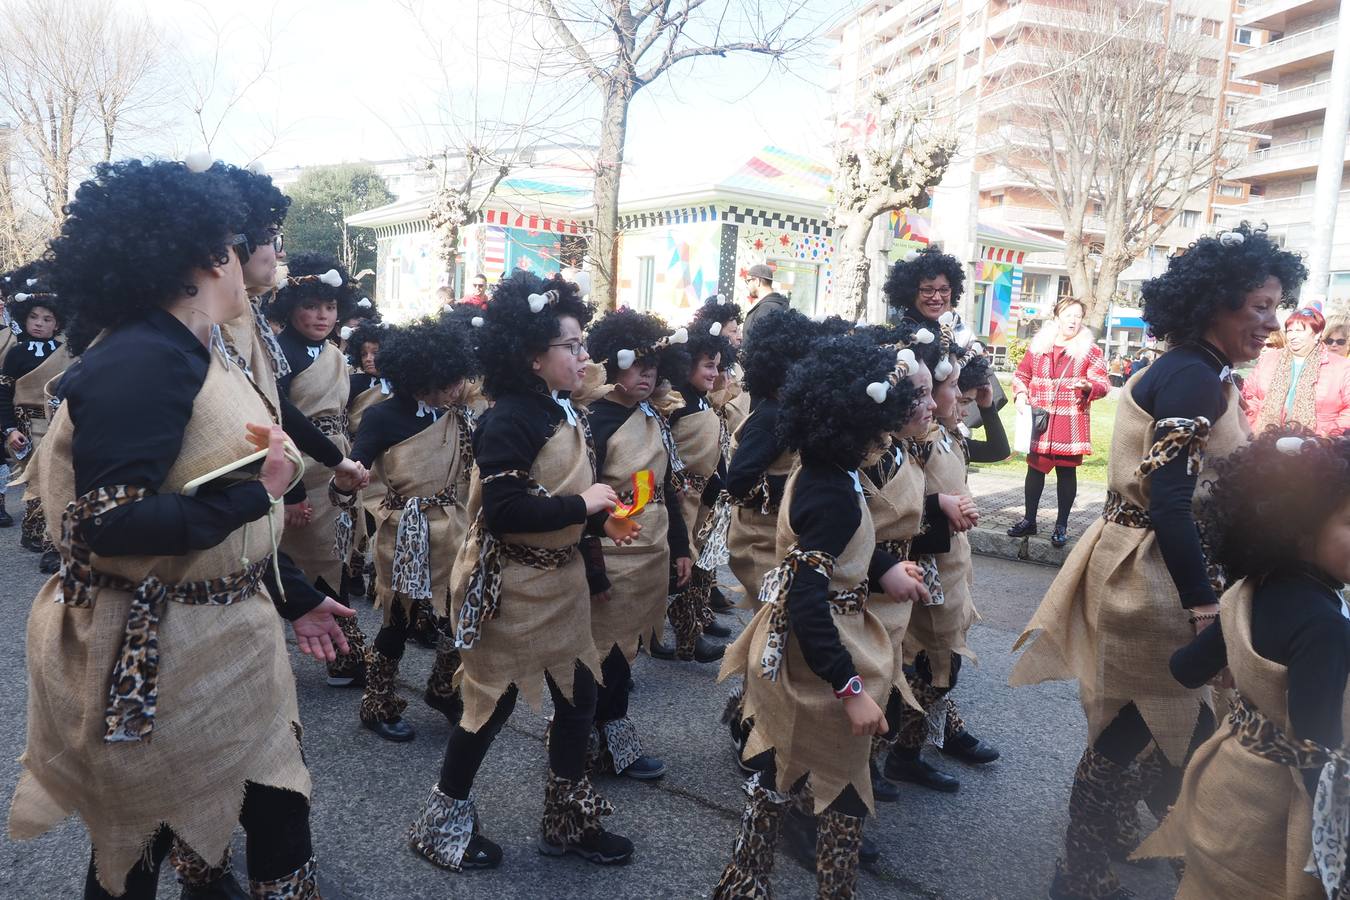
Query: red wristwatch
<point x="852" y="688"/>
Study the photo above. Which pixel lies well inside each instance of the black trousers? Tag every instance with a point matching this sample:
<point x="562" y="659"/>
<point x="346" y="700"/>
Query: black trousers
<point x="276" y="824"/>
<point x="568" y="737"/>
<point x="611" y="698"/>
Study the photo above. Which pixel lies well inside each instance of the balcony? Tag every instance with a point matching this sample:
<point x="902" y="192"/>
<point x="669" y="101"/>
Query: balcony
<point x="1301" y="50"/>
<point x="1277" y="106"/>
<point x="1275" y="15"/>
<point x="1278" y="212"/>
<point x="1010" y="57"/>
<point x="1025" y="13"/>
<point x="1296" y="158"/>
<point x="1035" y="217"/>
<point x="905" y="39"/>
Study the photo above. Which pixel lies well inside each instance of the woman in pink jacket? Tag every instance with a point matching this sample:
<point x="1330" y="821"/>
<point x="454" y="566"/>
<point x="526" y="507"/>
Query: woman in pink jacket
<point x="1304" y="383"/>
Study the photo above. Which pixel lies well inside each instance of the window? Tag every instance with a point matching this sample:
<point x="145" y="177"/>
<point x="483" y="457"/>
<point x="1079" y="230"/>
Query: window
<point x="1202" y="104"/>
<point x="1190" y="218"/>
<point x="646" y="281"/>
<point x="972" y="58"/>
<point x="1230" y="190"/>
<point x="1210" y="27"/>
<point x="1185" y="23"/>
<point x="1207" y="67"/>
<point x="1244" y="36"/>
<point x="1229" y="110"/>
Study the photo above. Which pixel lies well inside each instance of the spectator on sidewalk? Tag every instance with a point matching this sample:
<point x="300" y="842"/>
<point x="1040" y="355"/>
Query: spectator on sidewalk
<point x="1116" y="371"/>
<point x="763" y="298"/>
<point x="1302" y="384"/>
<point x="1062" y="372"/>
<point x="479" y="297"/>
<point x="1337" y="335"/>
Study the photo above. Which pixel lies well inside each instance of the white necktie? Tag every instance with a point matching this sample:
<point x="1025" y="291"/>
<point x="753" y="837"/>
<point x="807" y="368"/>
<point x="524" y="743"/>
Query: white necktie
<point x="314" y="351"/>
<point x="567" y="409"/>
<point x="37" y="348"/>
<point x="423" y="410"/>
<point x="857" y="482"/>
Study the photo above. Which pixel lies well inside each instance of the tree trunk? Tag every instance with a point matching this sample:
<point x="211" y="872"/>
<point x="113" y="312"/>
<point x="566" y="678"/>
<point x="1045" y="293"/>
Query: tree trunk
<point x="852" y="268"/>
<point x="604" y="249"/>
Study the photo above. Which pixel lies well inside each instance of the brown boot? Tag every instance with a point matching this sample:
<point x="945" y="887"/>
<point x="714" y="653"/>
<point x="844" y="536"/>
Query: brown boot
<point x="747" y="877"/>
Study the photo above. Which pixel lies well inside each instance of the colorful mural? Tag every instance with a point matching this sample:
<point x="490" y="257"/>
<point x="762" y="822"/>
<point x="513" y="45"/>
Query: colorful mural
<point x="805" y="260"/>
<point x="909" y="230"/>
<point x="683" y="266"/>
<point x="1003" y="281"/>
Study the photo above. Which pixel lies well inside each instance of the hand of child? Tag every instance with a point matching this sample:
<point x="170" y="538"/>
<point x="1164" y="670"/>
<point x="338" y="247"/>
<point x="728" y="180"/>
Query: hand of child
<point x="602" y="597"/>
<point x="298" y="515"/>
<point x="684" y="570"/>
<point x="622" y="531"/>
<point x="900" y="584"/>
<point x="599" y="498"/>
<point x="864" y="716"/>
<point x="950" y="504"/>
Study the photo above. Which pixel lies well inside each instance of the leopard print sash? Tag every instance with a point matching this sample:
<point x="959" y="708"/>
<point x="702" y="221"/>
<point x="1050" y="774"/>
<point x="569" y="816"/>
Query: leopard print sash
<point x="7" y="381"/>
<point x="774" y="589"/>
<point x="1182" y="436"/>
<point x="483" y="596"/>
<point x="658" y="495"/>
<point x="133" y="689"/>
<point x="898" y="549"/>
<point x="412" y="543"/>
<point x="932" y="579"/>
<point x="678" y="471"/>
<point x="1122" y="512"/>
<point x="344" y="529"/>
<point x="1261" y="737"/>
<point x="712" y="537"/>
<point x="25" y="413"/>
<point x="269" y="341"/>
<point x="331" y="424"/>
<point x="759" y="498"/>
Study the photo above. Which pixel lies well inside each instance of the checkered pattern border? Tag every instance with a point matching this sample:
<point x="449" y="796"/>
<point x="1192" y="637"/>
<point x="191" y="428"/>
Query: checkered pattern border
<point x="784" y="221"/>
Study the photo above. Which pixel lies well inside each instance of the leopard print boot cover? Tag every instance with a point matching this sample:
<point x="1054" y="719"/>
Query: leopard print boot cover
<point x="33" y="526"/>
<point x="747" y="877"/>
<point x="441" y="682"/>
<point x="443" y="829"/>
<point x="348" y="665"/>
<point x="914" y="729"/>
<point x="572" y="809"/>
<point x="838" y="839"/>
<point x="381" y="702"/>
<point x="686" y="614"/>
<point x="192" y="869"/>
<point x="614" y="746"/>
<point x="302" y="884"/>
<point x="1159" y="783"/>
<point x="1094" y="807"/>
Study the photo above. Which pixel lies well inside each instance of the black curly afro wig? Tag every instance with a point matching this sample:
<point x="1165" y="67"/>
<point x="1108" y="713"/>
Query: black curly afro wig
<point x="264" y="204"/>
<point x="133" y="235"/>
<point x="293" y="296"/>
<point x="975" y="372"/>
<point x="778" y="340"/>
<point x="512" y="335"/>
<point x="834" y="326"/>
<point x="1210" y="276"/>
<point x="19" y="309"/>
<point x="426" y="355"/>
<point x="673" y="363"/>
<point x="365" y="333"/>
<point x="1265" y="502"/>
<point x="15" y="281"/>
<point x="625" y="329"/>
<point x="826" y="413"/>
<point x="902" y="284"/>
<point x="717" y="309"/>
<point x="703" y="343"/>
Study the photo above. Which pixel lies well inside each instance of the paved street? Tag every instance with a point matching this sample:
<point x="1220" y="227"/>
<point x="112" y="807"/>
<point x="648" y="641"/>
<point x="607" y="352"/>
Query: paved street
<point x="997" y="838"/>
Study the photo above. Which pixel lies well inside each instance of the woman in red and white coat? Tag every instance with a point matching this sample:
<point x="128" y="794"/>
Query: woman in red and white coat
<point x="1063" y="372"/>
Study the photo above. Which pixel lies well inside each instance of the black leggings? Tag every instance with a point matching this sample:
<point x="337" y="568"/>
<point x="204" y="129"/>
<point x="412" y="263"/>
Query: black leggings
<point x="1066" y="489"/>
<point x="276" y="823"/>
<point x="848" y="802"/>
<point x="611" y="698"/>
<point x="1126" y="737"/>
<point x="568" y="737"/>
<point x="393" y="638"/>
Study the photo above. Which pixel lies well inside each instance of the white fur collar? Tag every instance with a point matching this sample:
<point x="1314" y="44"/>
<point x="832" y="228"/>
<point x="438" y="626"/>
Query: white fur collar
<point x="1078" y="348"/>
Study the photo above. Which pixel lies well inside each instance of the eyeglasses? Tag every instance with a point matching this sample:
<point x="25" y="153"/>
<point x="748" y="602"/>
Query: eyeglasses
<point x="576" y="348"/>
<point x="932" y="291"/>
<point x="242" y="246"/>
<point x="276" y="240"/>
<point x="1338" y="342"/>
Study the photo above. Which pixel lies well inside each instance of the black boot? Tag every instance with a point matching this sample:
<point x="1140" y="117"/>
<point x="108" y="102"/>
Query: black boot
<point x="50" y="563"/>
<point x="706" y="651"/>
<point x="882" y="790"/>
<point x="572" y="812"/>
<point x="381" y="708"/>
<point x="1023" y="528"/>
<point x="799" y="838"/>
<point x="905" y="764"/>
<point x="659" y="650"/>
<point x="718" y="601"/>
<point x="6" y="520"/>
<point x="969" y="749"/>
<point x="446" y="833"/>
<point x="226" y="887"/>
<point x="717" y="630"/>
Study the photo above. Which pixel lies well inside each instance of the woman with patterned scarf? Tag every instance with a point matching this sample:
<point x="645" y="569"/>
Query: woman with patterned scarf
<point x="520" y="596"/>
<point x="1303" y="384"/>
<point x="1139" y="583"/>
<point x="1271" y="789"/>
<point x="818" y="664"/>
<point x="418" y="442"/>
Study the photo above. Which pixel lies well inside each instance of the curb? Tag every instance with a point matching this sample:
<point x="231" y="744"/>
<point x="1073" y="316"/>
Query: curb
<point x="989" y="542"/>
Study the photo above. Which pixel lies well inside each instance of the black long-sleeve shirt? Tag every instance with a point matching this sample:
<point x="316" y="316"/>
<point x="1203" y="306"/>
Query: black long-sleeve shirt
<point x="130" y="399"/>
<point x="935" y="532"/>
<point x="360" y="382"/>
<point x="387" y="423"/>
<point x="1184" y="383"/>
<point x="756" y="450"/>
<point x="509" y="437"/>
<point x="995" y="446"/>
<point x="1297" y="622"/>
<point x="696" y="401"/>
<point x="26" y="355"/>
<point x="824" y="514"/>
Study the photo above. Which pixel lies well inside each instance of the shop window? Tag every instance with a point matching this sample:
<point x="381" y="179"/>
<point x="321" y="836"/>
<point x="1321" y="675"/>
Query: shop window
<point x="799" y="281"/>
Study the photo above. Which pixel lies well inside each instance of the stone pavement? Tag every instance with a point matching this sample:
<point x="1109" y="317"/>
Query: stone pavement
<point x="999" y="495"/>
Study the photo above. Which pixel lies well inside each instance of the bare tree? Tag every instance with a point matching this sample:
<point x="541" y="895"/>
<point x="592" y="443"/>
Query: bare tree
<point x="70" y="74"/>
<point x="622" y="46"/>
<point x="893" y="160"/>
<point x="1118" y="129"/>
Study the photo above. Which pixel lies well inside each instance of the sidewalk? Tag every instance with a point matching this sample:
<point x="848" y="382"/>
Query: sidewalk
<point x="1001" y="504"/>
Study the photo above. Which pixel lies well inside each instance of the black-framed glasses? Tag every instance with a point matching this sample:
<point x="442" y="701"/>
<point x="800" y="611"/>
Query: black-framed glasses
<point x="935" y="291"/>
<point x="576" y="348"/>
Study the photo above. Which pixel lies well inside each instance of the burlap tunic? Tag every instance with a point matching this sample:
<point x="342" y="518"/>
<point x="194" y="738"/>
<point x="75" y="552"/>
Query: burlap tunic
<point x="226" y="697"/>
<point x="638" y="572"/>
<point x="752" y="534"/>
<point x="30" y="395"/>
<point x="320" y="392"/>
<point x="242" y="335"/>
<point x="698" y="437"/>
<point x="798" y="716"/>
<point x="424" y="465"/>
<point x="370" y="498"/>
<point x="1112" y="617"/>
<point x="897" y="516"/>
<point x="1243" y="823"/>
<point x="543" y="623"/>
<point x="940" y="631"/>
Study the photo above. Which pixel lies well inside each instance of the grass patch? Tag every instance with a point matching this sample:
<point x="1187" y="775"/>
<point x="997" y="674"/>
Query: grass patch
<point x="1103" y="419"/>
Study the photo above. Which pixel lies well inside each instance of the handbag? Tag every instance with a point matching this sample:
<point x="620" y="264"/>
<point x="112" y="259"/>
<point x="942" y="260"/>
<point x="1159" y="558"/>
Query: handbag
<point x="1040" y="421"/>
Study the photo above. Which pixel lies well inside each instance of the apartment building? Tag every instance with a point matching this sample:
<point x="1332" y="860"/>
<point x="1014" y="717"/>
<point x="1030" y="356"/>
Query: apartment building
<point x="1293" y="69"/>
<point x="959" y="57"/>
